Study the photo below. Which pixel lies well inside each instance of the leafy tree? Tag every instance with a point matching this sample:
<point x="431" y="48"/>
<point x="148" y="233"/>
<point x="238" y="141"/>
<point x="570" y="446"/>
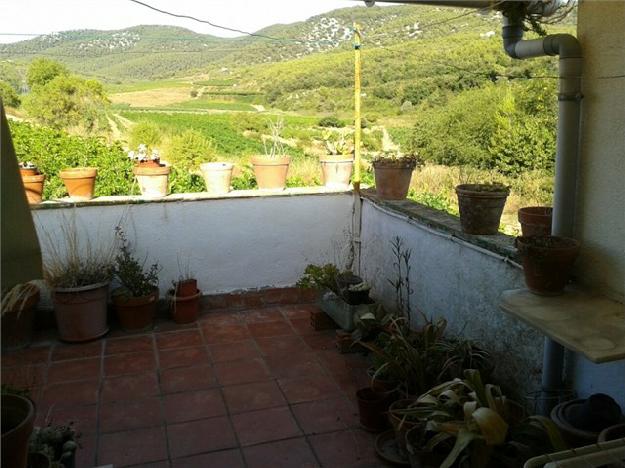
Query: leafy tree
<point x="42" y="70"/>
<point x="8" y="95"/>
<point x="145" y="133"/>
<point x="187" y="150"/>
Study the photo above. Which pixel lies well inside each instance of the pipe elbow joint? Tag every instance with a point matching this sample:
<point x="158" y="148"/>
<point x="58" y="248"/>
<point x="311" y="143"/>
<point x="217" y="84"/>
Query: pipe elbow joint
<point x="512" y="34"/>
<point x="563" y="45"/>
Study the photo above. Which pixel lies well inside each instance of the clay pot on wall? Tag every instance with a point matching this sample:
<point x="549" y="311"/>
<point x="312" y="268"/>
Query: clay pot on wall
<point x="337" y="171"/>
<point x="153" y="179"/>
<point x="33" y="185"/>
<point x="18" y="416"/>
<point x="135" y="313"/>
<point x="271" y="172"/>
<point x="481" y="206"/>
<point x="217" y="176"/>
<point x="535" y="220"/>
<point x="17" y="322"/>
<point x="81" y="312"/>
<point x="392" y="178"/>
<point x="547" y="262"/>
<point x="80" y="182"/>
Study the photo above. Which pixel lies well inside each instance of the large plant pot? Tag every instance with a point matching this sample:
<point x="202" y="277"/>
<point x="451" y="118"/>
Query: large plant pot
<point x="392" y="178"/>
<point x="135" y="313"/>
<point x="185" y="309"/>
<point x="186" y="287"/>
<point x="372" y="407"/>
<point x="547" y="262"/>
<point x="33" y="186"/>
<point x="481" y="206"/>
<point x="535" y="220"/>
<point x="17" y="323"/>
<point x="81" y="312"/>
<point x="18" y="416"/>
<point x="336" y="171"/>
<point x="271" y="172"/>
<point x="217" y="176"/>
<point x="80" y="182"/>
<point x="153" y="180"/>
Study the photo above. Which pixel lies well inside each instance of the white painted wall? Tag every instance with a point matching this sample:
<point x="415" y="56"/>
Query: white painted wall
<point x="231" y="243"/>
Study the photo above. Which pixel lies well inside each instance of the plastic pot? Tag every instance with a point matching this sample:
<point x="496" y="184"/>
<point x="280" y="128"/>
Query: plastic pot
<point x="372" y="407"/>
<point x="535" y="220"/>
<point x="481" y="206"/>
<point x="18" y="416"/>
<point x="79" y="182"/>
<point x="81" y="312"/>
<point x="217" y="176"/>
<point x="186" y="287"/>
<point x="135" y="313"/>
<point x="392" y="178"/>
<point x="185" y="309"/>
<point x="336" y="171"/>
<point x="33" y="186"/>
<point x="17" y="323"/>
<point x="547" y="262"/>
<point x="153" y="180"/>
<point x="271" y="172"/>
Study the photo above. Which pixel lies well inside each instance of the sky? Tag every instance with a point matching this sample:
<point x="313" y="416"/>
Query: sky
<point x="46" y="16"/>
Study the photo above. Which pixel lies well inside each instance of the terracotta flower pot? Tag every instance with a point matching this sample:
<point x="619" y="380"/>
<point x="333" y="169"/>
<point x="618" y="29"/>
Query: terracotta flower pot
<point x="80" y="182"/>
<point x="185" y="309"/>
<point x="33" y="185"/>
<point x="135" y="313"/>
<point x="17" y="324"/>
<point x="28" y="171"/>
<point x="81" y="312"/>
<point x="18" y="416"/>
<point x="271" y="172"/>
<point x="337" y="171"/>
<point x="153" y="180"/>
<point x="392" y="178"/>
<point x="547" y="262"/>
<point x="372" y="407"/>
<point x="217" y="176"/>
<point x="481" y="206"/>
<point x="186" y="288"/>
<point x="535" y="220"/>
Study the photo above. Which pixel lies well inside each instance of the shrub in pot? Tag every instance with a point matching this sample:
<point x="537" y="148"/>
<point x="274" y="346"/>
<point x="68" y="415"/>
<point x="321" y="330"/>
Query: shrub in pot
<point x="136" y="299"/>
<point x="18" y="416"/>
<point x="33" y="182"/>
<point x="481" y="206"/>
<point x="271" y="169"/>
<point x="79" y="182"/>
<point x="547" y="262"/>
<point x="393" y="171"/>
<point x="18" y="309"/>
<point x="337" y="165"/>
<point x="152" y="176"/>
<point x="535" y="220"/>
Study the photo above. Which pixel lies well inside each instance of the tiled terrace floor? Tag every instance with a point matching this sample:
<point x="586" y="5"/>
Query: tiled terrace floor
<point x="257" y="388"/>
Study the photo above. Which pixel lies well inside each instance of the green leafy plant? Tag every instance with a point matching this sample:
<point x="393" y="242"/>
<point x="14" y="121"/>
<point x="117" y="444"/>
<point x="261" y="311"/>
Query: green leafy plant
<point x="136" y="280"/>
<point x="396" y="158"/>
<point x="336" y="143"/>
<point x="57" y="443"/>
<point x="330" y="122"/>
<point x="319" y="277"/>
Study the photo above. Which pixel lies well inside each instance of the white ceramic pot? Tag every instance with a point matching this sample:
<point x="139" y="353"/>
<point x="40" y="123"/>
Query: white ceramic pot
<point x="337" y="170"/>
<point x="217" y="176"/>
<point x="153" y="181"/>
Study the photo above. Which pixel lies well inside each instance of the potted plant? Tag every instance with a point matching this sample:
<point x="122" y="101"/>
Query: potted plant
<point x="217" y="176"/>
<point x="393" y="171"/>
<point x="78" y="274"/>
<point x="33" y="182"/>
<point x="547" y="262"/>
<point x="272" y="168"/>
<point x="337" y="165"/>
<point x="135" y="300"/>
<point x="18" y="310"/>
<point x="184" y="297"/>
<point x="18" y="416"/>
<point x="152" y="175"/>
<point x="535" y="220"/>
<point x="79" y="182"/>
<point x="53" y="446"/>
<point x="481" y="206"/>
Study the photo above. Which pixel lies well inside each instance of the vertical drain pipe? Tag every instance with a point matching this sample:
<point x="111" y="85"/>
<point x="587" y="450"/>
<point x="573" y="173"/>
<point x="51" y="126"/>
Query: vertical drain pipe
<point x="568" y="49"/>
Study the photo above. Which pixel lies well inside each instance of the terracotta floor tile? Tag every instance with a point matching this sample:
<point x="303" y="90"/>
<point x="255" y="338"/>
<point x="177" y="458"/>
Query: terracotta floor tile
<point x="205" y="435"/>
<point x="321" y="340"/>
<point x="233" y="351"/>
<point x="28" y="376"/>
<point x="292" y="453"/>
<point x="129" y="344"/>
<point x="179" y="339"/>
<point x="316" y="417"/>
<point x="297" y="365"/>
<point x="127" y="415"/>
<point x="71" y="394"/>
<point x="77" y="351"/>
<point x="130" y="387"/>
<point x="188" y="406"/>
<point x="269" y="314"/>
<point x="83" y="417"/>
<point x="224" y="317"/>
<point x="228" y="333"/>
<point x="314" y="387"/>
<point x="254" y="396"/>
<point x="299" y="311"/>
<point x="32" y="355"/>
<point x="265" y="425"/>
<point x="282" y="345"/>
<point x="224" y="459"/>
<point x="241" y="371"/>
<point x="302" y="326"/>
<point x="182" y="379"/>
<point x="129" y="363"/>
<point x="132" y="447"/>
<point x="182" y="357"/>
<point x="78" y="369"/>
<point x="263" y="329"/>
<point x="353" y="448"/>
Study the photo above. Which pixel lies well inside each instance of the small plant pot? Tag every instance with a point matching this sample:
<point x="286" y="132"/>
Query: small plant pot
<point x="271" y="172"/>
<point x="79" y="182"/>
<point x="185" y="309"/>
<point x="17" y="323"/>
<point x="81" y="312"/>
<point x="392" y="178"/>
<point x="18" y="416"/>
<point x="33" y="186"/>
<point x="357" y="297"/>
<point x="135" y="313"/>
<point x="217" y="176"/>
<point x="336" y="171"/>
<point x="28" y="171"/>
<point x="612" y="433"/>
<point x="535" y="220"/>
<point x="372" y="407"/>
<point x="153" y="180"/>
<point x="401" y="425"/>
<point x="547" y="262"/>
<point x="481" y="206"/>
<point x="380" y="384"/>
<point x="186" y="288"/>
<point x="576" y="437"/>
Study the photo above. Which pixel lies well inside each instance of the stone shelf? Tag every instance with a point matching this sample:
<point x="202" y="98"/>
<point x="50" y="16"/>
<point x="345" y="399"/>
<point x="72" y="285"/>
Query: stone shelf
<point x="590" y="325"/>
